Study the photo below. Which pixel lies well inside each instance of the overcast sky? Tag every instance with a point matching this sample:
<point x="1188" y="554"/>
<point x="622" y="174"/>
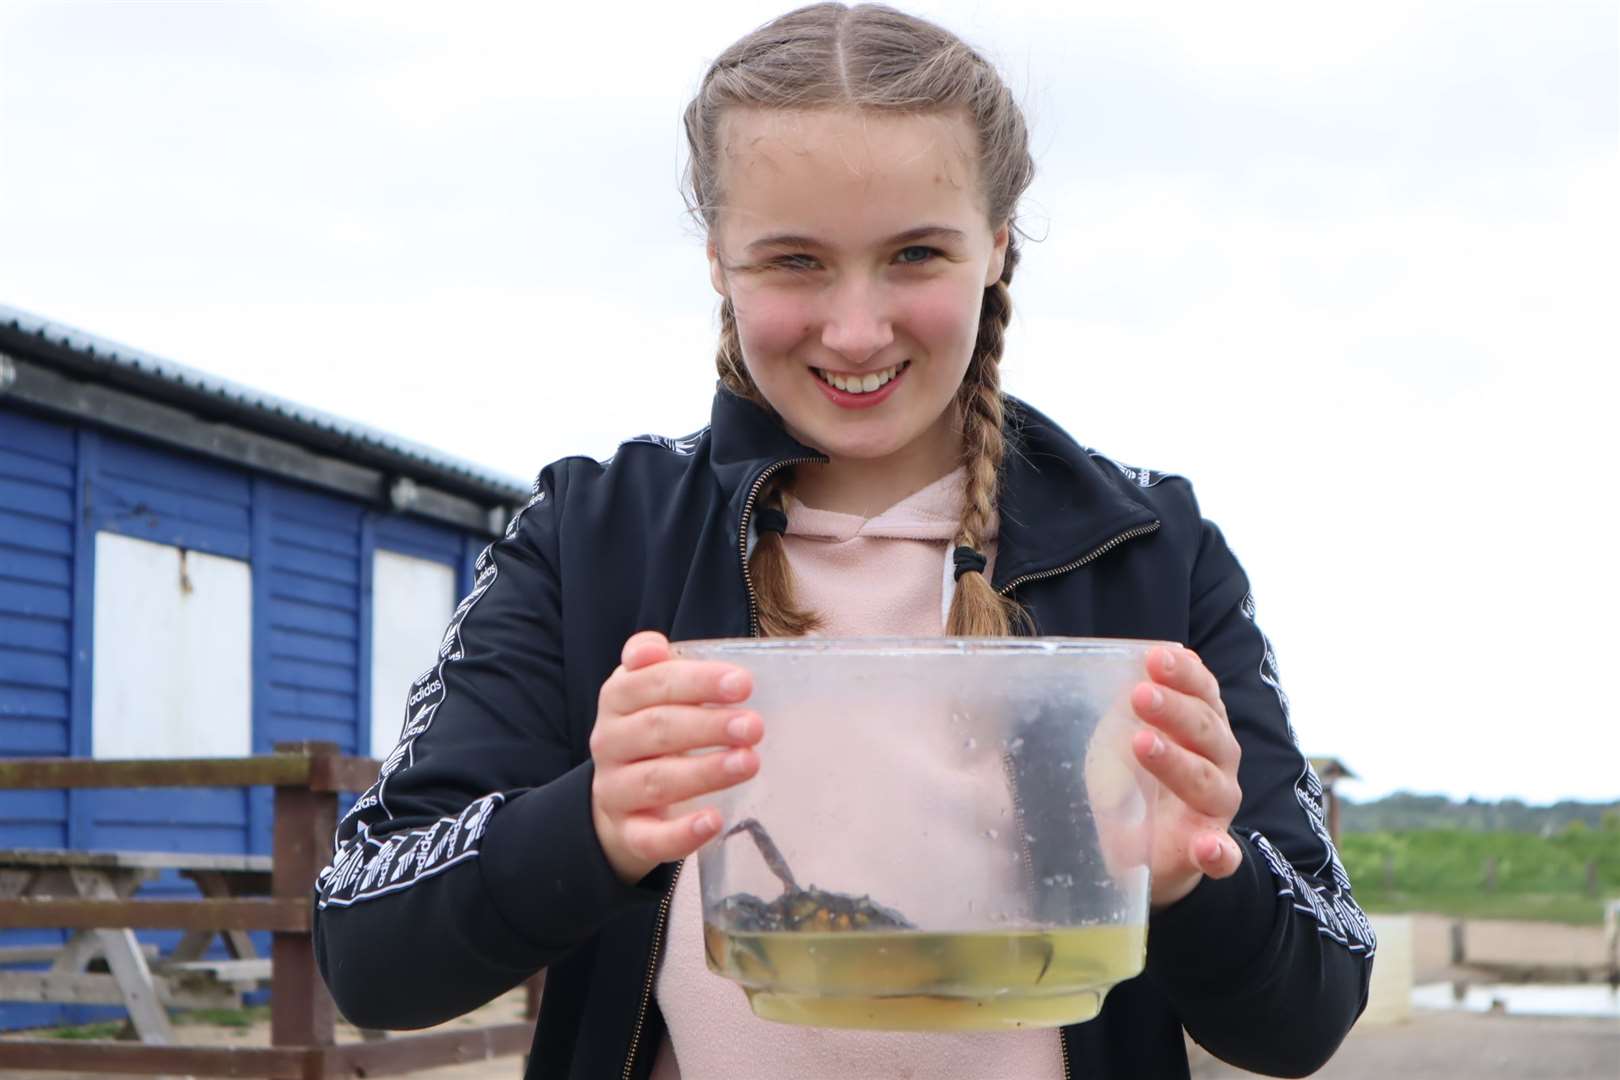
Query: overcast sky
<point x="1352" y="269"/>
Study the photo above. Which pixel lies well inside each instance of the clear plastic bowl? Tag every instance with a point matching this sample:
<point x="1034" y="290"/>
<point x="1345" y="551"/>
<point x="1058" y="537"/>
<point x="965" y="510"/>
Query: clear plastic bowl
<point x="944" y="833"/>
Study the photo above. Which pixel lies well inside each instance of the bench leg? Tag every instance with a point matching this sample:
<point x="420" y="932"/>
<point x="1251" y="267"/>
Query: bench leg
<point x="128" y="965"/>
<point x="192" y="946"/>
<point x="213" y="884"/>
<point x="83" y="946"/>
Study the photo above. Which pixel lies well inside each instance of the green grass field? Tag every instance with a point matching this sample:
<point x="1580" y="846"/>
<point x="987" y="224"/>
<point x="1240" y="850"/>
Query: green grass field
<point x="1447" y="871"/>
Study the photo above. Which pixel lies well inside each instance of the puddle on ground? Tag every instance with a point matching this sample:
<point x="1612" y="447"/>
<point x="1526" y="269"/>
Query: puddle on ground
<point x="1573" y="999"/>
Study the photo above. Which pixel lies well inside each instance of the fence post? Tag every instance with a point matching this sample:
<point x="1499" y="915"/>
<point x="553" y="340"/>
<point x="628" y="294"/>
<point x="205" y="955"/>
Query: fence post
<point x="1591" y="877"/>
<point x="1490" y="873"/>
<point x="301" y="1011"/>
<point x="1611" y="936"/>
<point x="1458" y="957"/>
<point x="533" y="990"/>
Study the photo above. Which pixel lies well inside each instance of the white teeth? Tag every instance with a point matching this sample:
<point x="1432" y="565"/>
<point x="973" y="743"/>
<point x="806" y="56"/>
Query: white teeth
<point x="863" y="384"/>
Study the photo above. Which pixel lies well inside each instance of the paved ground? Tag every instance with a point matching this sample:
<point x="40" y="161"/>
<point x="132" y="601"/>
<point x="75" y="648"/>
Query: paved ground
<point x="1463" y="1046"/>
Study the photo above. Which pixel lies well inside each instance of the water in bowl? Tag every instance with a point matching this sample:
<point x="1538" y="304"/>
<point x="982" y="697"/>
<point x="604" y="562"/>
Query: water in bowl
<point x="990" y="980"/>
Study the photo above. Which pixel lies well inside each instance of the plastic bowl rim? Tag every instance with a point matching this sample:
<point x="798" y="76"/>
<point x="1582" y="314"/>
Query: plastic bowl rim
<point x="923" y="646"/>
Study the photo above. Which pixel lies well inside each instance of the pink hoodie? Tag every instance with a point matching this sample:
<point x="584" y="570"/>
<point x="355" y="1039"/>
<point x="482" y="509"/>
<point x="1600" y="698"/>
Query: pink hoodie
<point x="886" y="576"/>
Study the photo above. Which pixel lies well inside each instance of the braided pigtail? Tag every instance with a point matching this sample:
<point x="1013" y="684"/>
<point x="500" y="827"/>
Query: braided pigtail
<point x="768" y="566"/>
<point x="768" y="569"/>
<point x="728" y="359"/>
<point x="977" y="610"/>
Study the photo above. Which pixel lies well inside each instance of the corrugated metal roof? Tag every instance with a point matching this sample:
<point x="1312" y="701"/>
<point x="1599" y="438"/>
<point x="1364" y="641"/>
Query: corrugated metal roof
<point x="135" y="367"/>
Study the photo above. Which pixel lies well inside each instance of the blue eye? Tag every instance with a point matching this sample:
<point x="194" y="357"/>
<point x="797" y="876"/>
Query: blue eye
<point x="916" y="254"/>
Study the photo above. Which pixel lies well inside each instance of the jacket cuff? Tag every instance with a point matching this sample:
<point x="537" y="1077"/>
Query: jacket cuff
<point x="545" y="869"/>
<point x="1213" y="936"/>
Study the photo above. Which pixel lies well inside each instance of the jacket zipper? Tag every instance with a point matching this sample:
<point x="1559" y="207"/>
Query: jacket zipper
<point x="1092" y="556"/>
<point x="1011" y="772"/>
<point x="662" y="922"/>
<point x="742" y="535"/>
<point x="652" y="968"/>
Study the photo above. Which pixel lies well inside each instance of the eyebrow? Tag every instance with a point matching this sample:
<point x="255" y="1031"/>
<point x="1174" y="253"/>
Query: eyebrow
<point x="922" y="232"/>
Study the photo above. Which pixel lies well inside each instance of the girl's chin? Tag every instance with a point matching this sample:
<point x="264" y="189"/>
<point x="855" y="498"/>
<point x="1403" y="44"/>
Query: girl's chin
<point x="851" y="446"/>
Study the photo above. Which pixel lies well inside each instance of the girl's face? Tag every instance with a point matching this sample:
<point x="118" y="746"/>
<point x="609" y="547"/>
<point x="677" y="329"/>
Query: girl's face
<point x="855" y="250"/>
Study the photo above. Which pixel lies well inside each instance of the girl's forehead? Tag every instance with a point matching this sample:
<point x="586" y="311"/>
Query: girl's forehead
<point x="844" y="167"/>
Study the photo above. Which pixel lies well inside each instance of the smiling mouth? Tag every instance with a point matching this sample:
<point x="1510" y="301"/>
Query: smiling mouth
<point x="869" y="383"/>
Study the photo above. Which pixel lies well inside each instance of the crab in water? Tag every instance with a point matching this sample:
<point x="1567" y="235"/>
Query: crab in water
<point x="798" y="908"/>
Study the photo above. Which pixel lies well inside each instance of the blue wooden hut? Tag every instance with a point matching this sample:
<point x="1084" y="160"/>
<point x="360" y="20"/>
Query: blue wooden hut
<point x="190" y="567"/>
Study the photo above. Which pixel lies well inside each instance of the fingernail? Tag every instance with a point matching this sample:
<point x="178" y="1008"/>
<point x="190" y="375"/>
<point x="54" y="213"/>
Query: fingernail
<point x="1156" y="699"/>
<point x="1157" y="749"/>
<point x="1169" y="662"/>
<point x="737" y="761"/>
<point x="705" y="825"/>
<point x="737" y="728"/>
<point x="733" y="684"/>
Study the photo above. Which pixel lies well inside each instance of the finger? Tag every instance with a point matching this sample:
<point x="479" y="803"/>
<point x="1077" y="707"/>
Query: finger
<point x="647" y="647"/>
<point x="1181" y="669"/>
<point x="659" y="782"/>
<point x="1126" y="845"/>
<point x="649" y="836"/>
<point x="1193" y="779"/>
<point x="672" y="729"/>
<point x="675" y="682"/>
<point x="1215" y="854"/>
<point x="1188" y="720"/>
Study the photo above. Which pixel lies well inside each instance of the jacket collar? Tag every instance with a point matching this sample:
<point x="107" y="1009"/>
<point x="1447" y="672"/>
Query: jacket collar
<point x="1059" y="501"/>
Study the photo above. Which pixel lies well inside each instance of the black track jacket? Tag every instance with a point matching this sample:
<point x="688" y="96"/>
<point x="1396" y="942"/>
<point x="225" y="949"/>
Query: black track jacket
<point x="472" y="862"/>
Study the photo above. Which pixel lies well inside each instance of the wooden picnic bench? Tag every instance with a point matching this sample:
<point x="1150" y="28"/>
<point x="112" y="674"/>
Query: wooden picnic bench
<point x="145" y="983"/>
<point x="92" y="895"/>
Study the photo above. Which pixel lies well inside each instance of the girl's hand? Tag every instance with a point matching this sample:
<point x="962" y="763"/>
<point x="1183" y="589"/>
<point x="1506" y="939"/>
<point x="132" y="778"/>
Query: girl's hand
<point x="1190" y="747"/>
<point x="651" y="711"/>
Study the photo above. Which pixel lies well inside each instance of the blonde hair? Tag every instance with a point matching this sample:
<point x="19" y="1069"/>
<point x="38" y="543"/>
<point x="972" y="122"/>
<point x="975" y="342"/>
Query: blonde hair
<point x="872" y="57"/>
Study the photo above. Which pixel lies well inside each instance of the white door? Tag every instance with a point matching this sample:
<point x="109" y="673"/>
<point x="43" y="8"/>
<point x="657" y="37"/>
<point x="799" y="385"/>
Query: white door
<point x="411" y="604"/>
<point x="173" y="653"/>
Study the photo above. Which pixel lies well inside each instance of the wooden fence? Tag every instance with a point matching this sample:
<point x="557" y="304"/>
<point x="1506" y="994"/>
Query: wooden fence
<point x="307" y="778"/>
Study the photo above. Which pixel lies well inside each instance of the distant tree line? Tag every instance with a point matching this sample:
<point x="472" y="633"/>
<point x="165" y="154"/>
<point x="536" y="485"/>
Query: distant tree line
<point x="1405" y="811"/>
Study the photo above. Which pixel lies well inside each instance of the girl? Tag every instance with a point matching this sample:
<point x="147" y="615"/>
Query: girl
<point x="858" y="173"/>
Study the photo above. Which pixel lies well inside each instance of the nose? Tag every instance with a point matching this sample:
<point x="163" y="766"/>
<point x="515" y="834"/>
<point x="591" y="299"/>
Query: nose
<point x="857" y="324"/>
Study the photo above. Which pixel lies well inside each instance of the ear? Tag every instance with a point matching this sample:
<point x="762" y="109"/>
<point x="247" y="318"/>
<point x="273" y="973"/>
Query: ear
<point x="717" y="273"/>
<point x="998" y="255"/>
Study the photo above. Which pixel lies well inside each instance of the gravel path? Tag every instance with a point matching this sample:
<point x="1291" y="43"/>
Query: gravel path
<point x="1464" y="1046"/>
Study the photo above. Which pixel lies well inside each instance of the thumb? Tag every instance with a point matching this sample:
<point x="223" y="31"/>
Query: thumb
<point x="1216" y="854"/>
<point x="644" y="649"/>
